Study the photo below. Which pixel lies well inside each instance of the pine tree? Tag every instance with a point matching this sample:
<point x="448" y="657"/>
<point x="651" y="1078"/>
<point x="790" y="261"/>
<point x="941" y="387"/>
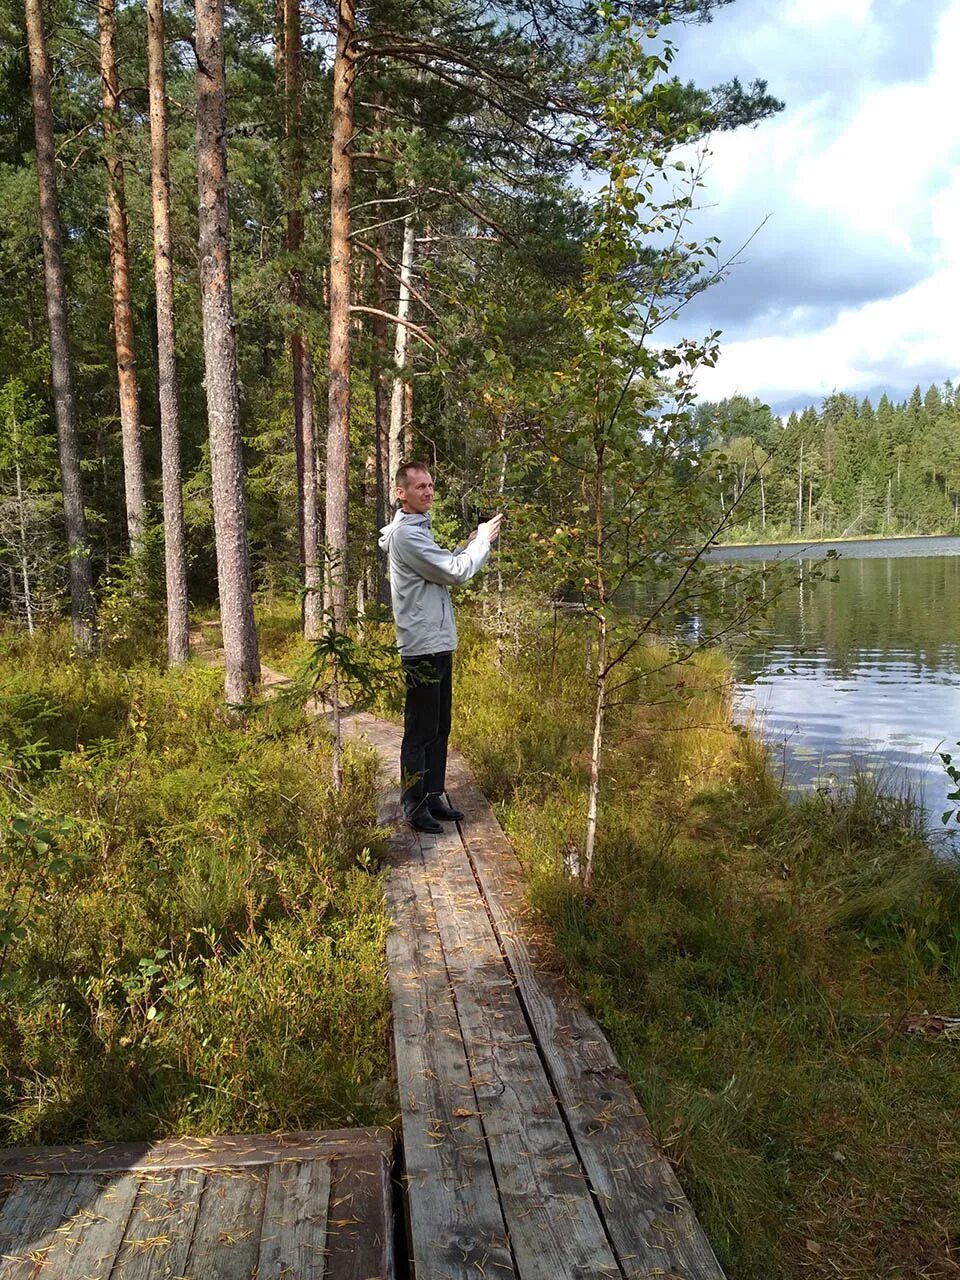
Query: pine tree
<point x="219" y="325"/>
<point x="338" y="420"/>
<point x="174" y="533"/>
<point x="82" y="605"/>
<point x="120" y="266"/>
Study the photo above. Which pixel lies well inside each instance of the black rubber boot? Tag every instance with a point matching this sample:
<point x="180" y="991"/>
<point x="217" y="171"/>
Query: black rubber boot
<point x="422" y="820"/>
<point x="442" y="811"/>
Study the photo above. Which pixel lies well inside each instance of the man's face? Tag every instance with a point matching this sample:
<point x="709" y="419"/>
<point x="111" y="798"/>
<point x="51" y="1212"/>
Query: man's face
<point x="416" y="494"/>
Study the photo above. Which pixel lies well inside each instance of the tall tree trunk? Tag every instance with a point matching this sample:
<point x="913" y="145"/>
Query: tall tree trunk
<point x="303" y="389"/>
<point x="220" y="358"/>
<point x="371" y="500"/>
<point x="82" y="606"/>
<point x="401" y="346"/>
<point x="408" y="448"/>
<point x="310" y="505"/>
<point x="120" y="266"/>
<point x="381" y="441"/>
<point x="174" y="533"/>
<point x="501" y="445"/>
<point x="338" y="428"/>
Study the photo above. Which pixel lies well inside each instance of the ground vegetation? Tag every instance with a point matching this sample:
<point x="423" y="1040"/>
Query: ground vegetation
<point x="191" y="919"/>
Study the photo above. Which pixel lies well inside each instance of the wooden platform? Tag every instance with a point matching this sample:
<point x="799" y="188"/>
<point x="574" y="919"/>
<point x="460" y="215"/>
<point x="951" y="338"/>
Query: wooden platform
<point x="526" y="1153"/>
<point x="315" y="1206"/>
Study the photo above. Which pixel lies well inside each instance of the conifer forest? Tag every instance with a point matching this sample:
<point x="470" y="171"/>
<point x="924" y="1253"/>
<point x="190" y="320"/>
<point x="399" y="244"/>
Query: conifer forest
<point x="252" y="257"/>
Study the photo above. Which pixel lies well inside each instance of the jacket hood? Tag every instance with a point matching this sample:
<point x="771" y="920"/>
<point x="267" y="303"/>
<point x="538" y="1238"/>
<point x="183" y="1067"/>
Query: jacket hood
<point x="388" y="530"/>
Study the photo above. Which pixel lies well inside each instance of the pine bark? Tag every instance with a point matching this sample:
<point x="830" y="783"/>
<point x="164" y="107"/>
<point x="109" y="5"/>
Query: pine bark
<point x="408" y="444"/>
<point x="303" y="385"/>
<point x="174" y="533"/>
<point x="82" y="606"/>
<point x="120" y="267"/>
<point x="220" y="356"/>
<point x="338" y="422"/>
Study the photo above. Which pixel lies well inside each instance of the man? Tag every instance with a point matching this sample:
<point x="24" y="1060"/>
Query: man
<point x="420" y="575"/>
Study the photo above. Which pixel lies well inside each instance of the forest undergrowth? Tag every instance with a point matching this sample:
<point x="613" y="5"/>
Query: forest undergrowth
<point x="206" y="953"/>
<point x="191" y="921"/>
<point x="769" y="968"/>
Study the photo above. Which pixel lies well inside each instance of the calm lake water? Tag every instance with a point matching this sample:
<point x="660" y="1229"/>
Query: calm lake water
<point x="863" y="672"/>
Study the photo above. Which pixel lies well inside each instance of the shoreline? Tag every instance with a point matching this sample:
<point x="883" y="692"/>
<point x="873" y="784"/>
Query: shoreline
<point x="822" y="542"/>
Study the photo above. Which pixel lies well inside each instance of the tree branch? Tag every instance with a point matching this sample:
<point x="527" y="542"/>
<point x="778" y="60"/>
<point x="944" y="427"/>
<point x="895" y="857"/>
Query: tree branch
<point x="407" y="324"/>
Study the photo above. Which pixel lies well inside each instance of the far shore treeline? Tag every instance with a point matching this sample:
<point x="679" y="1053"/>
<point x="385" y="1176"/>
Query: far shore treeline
<point x="847" y="469"/>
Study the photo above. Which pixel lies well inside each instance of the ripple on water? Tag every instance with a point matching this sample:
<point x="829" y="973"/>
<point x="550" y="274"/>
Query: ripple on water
<point x="864" y="670"/>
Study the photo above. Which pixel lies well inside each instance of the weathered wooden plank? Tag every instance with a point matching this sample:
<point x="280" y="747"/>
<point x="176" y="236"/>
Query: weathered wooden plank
<point x="29" y="1219"/>
<point x="651" y="1223"/>
<point x="456" y="1224"/>
<point x="158" y="1235"/>
<point x="226" y="1238"/>
<point x="294" y="1232"/>
<point x="360" y="1227"/>
<point x="228" y="1151"/>
<point x="555" y="1230"/>
<point x="88" y="1239"/>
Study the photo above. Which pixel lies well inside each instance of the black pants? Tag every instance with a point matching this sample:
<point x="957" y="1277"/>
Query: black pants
<point x="426" y="728"/>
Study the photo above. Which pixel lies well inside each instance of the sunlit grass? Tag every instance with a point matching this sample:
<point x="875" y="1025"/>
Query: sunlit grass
<point x="751" y="957"/>
<point x="200" y="946"/>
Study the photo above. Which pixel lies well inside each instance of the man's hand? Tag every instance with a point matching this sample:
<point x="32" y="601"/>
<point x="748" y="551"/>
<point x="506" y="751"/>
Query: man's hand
<point x="490" y="529"/>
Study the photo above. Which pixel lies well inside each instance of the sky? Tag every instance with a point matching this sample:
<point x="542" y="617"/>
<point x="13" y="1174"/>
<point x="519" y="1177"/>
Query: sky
<point x="852" y="281"/>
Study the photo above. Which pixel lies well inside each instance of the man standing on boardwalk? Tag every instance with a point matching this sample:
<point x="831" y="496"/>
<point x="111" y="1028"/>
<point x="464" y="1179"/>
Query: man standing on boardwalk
<point x="421" y="574"/>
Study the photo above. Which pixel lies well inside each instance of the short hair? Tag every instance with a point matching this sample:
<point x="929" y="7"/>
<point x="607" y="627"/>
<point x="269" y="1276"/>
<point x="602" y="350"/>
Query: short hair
<point x="407" y="468"/>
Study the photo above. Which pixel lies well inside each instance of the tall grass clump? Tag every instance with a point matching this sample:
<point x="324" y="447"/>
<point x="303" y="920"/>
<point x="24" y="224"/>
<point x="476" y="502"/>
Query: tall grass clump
<point x="191" y="921"/>
<point x="770" y="969"/>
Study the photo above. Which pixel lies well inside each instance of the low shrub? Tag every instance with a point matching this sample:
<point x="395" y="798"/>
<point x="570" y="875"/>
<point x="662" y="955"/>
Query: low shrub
<point x="191" y="921"/>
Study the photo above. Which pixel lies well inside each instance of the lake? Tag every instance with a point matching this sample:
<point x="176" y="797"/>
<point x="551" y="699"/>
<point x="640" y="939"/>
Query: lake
<point x="863" y="672"/>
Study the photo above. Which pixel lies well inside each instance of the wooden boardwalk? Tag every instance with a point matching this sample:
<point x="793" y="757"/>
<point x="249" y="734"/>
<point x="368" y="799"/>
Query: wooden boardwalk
<point x="315" y="1206"/>
<point x="526" y="1153"/>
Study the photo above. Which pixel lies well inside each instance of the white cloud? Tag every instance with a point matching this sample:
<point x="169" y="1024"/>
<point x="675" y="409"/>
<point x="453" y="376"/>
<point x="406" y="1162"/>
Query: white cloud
<point x="903" y="340"/>
<point x="853" y="281"/>
<point x="803" y="13"/>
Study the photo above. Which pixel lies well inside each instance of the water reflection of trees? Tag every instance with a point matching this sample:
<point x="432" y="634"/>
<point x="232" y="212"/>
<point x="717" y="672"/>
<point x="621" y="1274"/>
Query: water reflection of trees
<point x="897" y="610"/>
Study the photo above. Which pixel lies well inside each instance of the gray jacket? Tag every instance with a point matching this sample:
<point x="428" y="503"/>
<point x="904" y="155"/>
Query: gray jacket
<point x="420" y="573"/>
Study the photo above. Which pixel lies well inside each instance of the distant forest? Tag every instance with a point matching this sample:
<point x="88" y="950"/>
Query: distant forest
<point x="847" y="469"/>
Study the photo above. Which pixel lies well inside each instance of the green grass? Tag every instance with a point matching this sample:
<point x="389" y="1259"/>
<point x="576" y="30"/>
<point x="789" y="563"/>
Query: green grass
<point x="279" y="628"/>
<point x="194" y="929"/>
<point x="752" y="960"/>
